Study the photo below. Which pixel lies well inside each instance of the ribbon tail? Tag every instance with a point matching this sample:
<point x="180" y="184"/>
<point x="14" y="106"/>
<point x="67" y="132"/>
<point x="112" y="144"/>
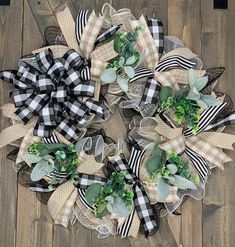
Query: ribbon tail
<point x="144" y="209"/>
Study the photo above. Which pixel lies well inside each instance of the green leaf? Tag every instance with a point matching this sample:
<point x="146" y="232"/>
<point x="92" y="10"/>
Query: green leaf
<point x="123" y="83"/>
<point x="131" y="60"/>
<point x="202" y="104"/>
<point x="41" y="169"/>
<point x="183" y="91"/>
<point x="93" y="192"/>
<point x="201" y="83"/>
<point x="210" y="100"/>
<point x="193" y="94"/>
<point x="119" y="207"/>
<point x="108" y="76"/>
<point x="129" y="71"/>
<point x="102" y="214"/>
<point x="31" y="158"/>
<point x="121" y="61"/>
<point x="163" y="189"/>
<point x="101" y="207"/>
<point x="165" y="92"/>
<point x="173" y="168"/>
<point x="110" y="207"/>
<point x="192" y="77"/>
<point x="183" y="183"/>
<point x="153" y="164"/>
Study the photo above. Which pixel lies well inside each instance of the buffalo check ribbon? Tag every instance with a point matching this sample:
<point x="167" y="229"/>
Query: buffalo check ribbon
<point x="142" y="204"/>
<point x="55" y="93"/>
<point x="204" y="148"/>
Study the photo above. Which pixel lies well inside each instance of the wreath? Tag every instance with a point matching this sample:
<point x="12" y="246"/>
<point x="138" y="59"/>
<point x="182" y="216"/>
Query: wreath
<point x="67" y="88"/>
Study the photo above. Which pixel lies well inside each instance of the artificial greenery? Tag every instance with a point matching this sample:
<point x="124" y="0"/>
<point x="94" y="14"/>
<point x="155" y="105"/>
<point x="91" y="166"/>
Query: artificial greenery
<point x="196" y="85"/>
<point x="51" y="157"/>
<point x="122" y="67"/>
<point x="168" y="168"/>
<point x="187" y="101"/>
<point x="113" y="197"/>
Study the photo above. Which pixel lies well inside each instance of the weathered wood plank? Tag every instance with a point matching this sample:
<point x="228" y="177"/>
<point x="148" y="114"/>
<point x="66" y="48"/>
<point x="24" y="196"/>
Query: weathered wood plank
<point x="43" y="14"/>
<point x="34" y="226"/>
<point x="10" y="52"/>
<point x="184" y="22"/>
<point x="218" y="34"/>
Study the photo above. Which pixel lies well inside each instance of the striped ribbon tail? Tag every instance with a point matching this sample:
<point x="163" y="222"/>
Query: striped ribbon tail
<point x="135" y="159"/>
<point x="81" y="22"/>
<point x="199" y="163"/>
<point x="81" y="194"/>
<point x="142" y="72"/>
<point x="174" y="62"/>
<point x="207" y="117"/>
<point x="225" y="121"/>
<point x="107" y="34"/>
<point x="124" y="229"/>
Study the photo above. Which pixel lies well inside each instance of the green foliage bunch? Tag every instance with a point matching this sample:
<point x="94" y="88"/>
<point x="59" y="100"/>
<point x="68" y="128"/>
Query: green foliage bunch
<point x="168" y="168"/>
<point x="46" y="158"/>
<point x="113" y="197"/>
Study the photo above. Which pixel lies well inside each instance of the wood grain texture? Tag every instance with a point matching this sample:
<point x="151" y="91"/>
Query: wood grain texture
<point x="218" y="33"/>
<point x="184" y="22"/>
<point x="10" y="51"/>
<point x="25" y="222"/>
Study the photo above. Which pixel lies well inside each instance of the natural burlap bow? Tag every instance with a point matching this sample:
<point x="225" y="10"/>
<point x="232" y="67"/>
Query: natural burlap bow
<point x="205" y="146"/>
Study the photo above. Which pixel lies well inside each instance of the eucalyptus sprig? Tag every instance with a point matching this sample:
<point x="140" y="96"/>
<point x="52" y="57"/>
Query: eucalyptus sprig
<point x="122" y="67"/>
<point x="168" y="168"/>
<point x="46" y="158"/>
<point x="113" y="197"/>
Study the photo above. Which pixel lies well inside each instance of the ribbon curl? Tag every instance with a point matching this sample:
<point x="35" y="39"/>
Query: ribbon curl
<point x="59" y="87"/>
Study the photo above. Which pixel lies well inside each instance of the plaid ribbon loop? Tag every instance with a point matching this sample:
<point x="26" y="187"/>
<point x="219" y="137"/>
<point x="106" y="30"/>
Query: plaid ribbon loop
<point x="58" y="86"/>
<point x="141" y="201"/>
<point x="200" y="152"/>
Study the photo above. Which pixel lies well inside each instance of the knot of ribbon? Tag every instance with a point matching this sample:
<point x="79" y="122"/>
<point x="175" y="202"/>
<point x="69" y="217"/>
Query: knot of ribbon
<point x="59" y="93"/>
<point x="141" y="201"/>
<point x="204" y="148"/>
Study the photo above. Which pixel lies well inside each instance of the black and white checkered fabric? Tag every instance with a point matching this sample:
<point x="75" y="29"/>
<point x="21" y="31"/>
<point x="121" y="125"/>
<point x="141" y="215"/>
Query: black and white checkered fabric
<point x="84" y="180"/>
<point x="40" y="187"/>
<point x="142" y="72"/>
<point x="157" y="31"/>
<point x="142" y="204"/>
<point x="151" y="91"/>
<point x="144" y="209"/>
<point x="175" y="62"/>
<point x="81" y="21"/>
<point x="59" y="86"/>
<point x="107" y="34"/>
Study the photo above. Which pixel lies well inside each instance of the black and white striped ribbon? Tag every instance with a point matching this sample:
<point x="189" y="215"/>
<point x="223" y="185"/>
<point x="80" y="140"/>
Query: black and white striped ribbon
<point x="199" y="163"/>
<point x="142" y="72"/>
<point x="229" y="119"/>
<point x="207" y="117"/>
<point x="107" y="34"/>
<point x="175" y="62"/>
<point x="81" y="21"/>
<point x="141" y="201"/>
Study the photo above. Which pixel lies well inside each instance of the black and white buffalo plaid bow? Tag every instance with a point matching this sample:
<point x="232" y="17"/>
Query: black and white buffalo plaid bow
<point x="142" y="204"/>
<point x="55" y="93"/>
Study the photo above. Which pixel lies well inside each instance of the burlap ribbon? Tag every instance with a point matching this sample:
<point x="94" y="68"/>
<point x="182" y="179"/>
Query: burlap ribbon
<point x="114" y="17"/>
<point x="206" y="144"/>
<point x="62" y="202"/>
